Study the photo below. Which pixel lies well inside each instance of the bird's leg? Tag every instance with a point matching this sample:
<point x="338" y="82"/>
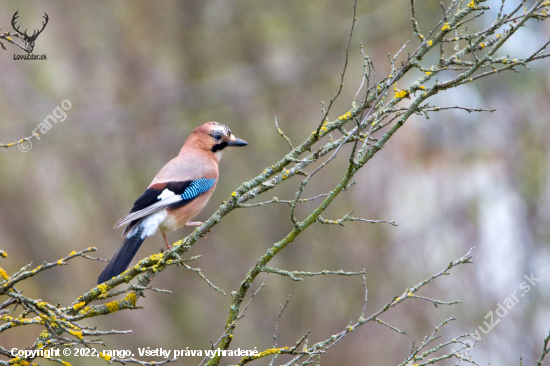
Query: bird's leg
<point x="168" y="246"/>
<point x="195" y="223"/>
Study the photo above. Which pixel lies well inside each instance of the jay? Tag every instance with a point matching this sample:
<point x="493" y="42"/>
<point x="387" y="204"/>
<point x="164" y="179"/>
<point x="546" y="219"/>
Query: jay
<point x="177" y="194"/>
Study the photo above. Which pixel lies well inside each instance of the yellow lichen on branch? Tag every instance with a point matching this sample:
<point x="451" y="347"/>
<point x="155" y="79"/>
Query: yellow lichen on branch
<point x="267" y="352"/>
<point x="345" y="117"/>
<point x="128" y="302"/>
<point x="17" y="361"/>
<point x="3" y="274"/>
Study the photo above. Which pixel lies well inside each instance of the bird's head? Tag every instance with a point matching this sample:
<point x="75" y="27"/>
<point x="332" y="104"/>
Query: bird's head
<point x="215" y="138"/>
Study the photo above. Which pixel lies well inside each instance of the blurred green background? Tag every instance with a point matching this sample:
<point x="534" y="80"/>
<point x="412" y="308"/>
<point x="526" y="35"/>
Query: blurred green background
<point x="141" y="75"/>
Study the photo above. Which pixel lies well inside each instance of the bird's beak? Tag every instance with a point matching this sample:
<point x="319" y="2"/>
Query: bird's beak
<point x="237" y="142"/>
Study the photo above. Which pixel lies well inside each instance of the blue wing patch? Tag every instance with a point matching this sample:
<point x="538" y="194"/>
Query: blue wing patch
<point x="196" y="188"/>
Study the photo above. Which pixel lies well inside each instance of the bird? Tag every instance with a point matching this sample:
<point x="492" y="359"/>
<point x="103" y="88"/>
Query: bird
<point x="177" y="194"/>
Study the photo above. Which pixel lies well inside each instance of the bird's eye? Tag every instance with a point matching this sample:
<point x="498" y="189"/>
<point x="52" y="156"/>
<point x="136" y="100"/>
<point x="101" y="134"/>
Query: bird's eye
<point x="217" y="136"/>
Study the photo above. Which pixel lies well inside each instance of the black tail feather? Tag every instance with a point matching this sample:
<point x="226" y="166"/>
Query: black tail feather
<point x="123" y="257"/>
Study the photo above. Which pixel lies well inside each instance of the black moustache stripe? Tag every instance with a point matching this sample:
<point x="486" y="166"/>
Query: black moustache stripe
<point x="220" y="146"/>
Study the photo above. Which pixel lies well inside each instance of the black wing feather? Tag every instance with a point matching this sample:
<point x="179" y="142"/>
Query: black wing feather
<point x="150" y="196"/>
<point x="181" y="193"/>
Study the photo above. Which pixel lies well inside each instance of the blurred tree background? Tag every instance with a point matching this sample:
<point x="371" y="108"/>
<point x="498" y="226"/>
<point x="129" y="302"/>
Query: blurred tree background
<point x="142" y="75"/>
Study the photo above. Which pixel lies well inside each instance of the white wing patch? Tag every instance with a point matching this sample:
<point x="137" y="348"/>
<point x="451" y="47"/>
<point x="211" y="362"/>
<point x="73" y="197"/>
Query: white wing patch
<point x="155" y="207"/>
<point x="165" y="194"/>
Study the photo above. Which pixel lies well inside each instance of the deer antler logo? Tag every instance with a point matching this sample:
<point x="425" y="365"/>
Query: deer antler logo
<point x="29" y="40"/>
